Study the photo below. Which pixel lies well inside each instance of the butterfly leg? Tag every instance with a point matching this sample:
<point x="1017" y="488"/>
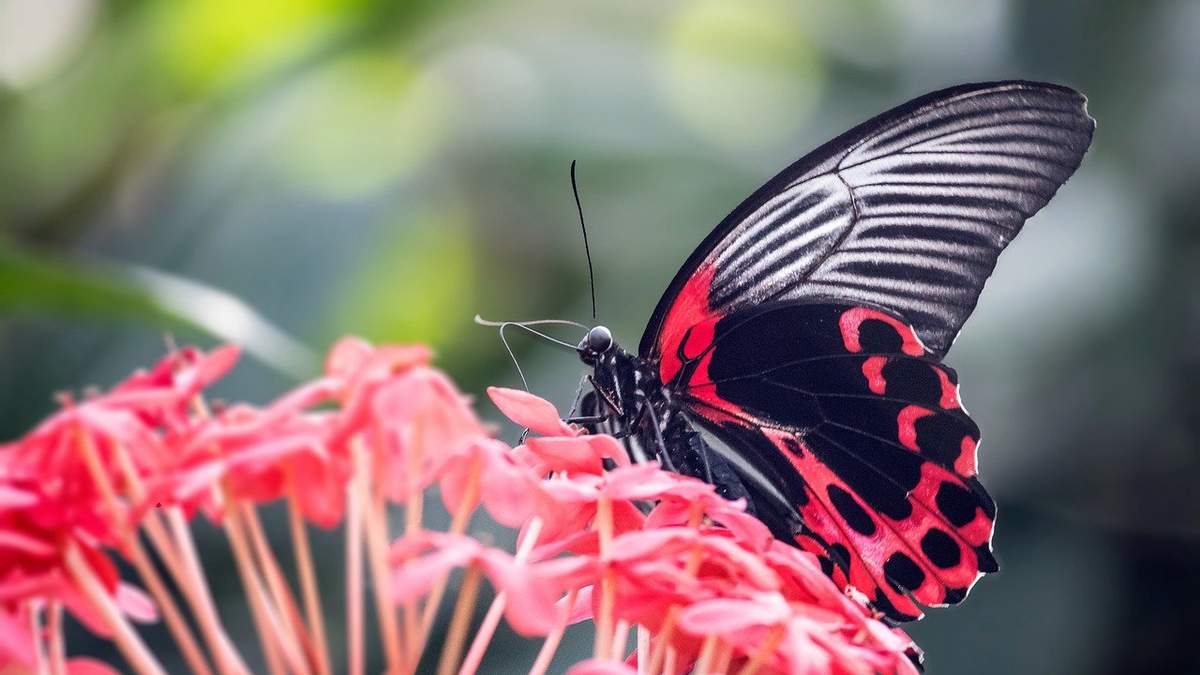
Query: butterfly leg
<point x="660" y="445"/>
<point x="590" y="416"/>
<point x="587" y="420"/>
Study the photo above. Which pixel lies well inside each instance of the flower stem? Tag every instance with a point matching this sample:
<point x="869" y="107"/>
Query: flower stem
<point x="619" y="638"/>
<point x="707" y="652"/>
<point x="308" y="580"/>
<point x="672" y="658"/>
<point x="34" y="609"/>
<point x="132" y="549"/>
<point x="280" y="592"/>
<point x="186" y="571"/>
<point x="663" y="641"/>
<point x="643" y="650"/>
<point x="460" y="621"/>
<point x="604" y="622"/>
<point x="57" y="647"/>
<point x="550" y="646"/>
<point x="375" y="524"/>
<point x="162" y="597"/>
<point x="254" y="593"/>
<point x="132" y="648"/>
<point x="724" y="657"/>
<point x="414" y="508"/>
<point x="483" y="637"/>
<point x="458" y="525"/>
<point x="354" y="579"/>
<point x="764" y="650"/>
<point x="178" y="553"/>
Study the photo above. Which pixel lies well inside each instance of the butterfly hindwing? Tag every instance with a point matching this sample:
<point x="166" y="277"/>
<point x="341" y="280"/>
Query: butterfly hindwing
<point x="859" y="427"/>
<point x="907" y="211"/>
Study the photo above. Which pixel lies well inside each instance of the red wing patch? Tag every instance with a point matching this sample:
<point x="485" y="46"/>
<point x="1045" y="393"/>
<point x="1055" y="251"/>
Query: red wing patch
<point x="866" y="436"/>
<point x="688" y="328"/>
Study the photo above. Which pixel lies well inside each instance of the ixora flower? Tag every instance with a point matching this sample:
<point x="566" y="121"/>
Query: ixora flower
<point x="674" y="578"/>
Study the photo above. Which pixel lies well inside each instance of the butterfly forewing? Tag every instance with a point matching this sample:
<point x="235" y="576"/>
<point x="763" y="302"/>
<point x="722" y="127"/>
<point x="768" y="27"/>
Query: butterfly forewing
<point x="907" y="211"/>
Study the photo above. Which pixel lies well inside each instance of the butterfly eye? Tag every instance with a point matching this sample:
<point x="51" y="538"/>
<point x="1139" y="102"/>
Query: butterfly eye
<point x="599" y="340"/>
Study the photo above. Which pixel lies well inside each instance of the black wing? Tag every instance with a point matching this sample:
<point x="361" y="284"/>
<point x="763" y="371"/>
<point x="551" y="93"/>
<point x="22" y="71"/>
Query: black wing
<point x="849" y="422"/>
<point x="907" y="211"/>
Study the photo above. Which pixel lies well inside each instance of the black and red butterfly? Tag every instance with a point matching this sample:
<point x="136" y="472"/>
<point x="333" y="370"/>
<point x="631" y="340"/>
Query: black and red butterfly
<point x="807" y="331"/>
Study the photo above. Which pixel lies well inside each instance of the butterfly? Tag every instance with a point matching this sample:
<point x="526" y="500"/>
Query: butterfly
<point x="806" y="336"/>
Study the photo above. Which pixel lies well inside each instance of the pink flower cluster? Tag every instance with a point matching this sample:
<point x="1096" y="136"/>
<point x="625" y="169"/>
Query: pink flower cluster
<point x="697" y="583"/>
<point x="707" y="584"/>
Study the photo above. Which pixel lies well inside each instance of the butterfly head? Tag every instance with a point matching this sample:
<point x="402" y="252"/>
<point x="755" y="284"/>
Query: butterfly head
<point x="597" y="343"/>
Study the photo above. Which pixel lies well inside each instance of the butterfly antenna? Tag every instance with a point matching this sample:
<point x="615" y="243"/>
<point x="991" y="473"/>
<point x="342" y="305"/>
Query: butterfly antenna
<point x="525" y="326"/>
<point x="513" y="356"/>
<point x="587" y="250"/>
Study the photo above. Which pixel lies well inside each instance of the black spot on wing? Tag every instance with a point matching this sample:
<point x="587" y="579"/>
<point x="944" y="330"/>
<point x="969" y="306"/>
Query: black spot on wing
<point x="941" y="549"/>
<point x="987" y="561"/>
<point x="940" y="436"/>
<point x="956" y="504"/>
<point x="903" y="572"/>
<point x="879" y="336"/>
<point x="912" y="380"/>
<point x="882" y="603"/>
<point x="850" y="511"/>
<point x="841" y="554"/>
<point x="955" y="595"/>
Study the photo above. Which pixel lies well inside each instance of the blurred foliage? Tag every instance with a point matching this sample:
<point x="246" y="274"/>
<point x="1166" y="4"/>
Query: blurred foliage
<point x="394" y="168"/>
<point x="32" y="283"/>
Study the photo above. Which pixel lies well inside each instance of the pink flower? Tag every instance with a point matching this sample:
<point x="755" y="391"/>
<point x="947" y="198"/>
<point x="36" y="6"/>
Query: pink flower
<point x="625" y="545"/>
<point x="258" y="456"/>
<point x="536" y="414"/>
<point x="601" y="667"/>
<point x="163" y="396"/>
<point x="507" y="485"/>
<point x="420" y="559"/>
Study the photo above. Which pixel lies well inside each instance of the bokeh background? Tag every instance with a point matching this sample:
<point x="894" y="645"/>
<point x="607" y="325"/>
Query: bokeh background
<point x="282" y="172"/>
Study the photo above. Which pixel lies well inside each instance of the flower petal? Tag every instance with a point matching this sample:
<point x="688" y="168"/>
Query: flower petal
<point x="601" y="667"/>
<point x="529" y="411"/>
<point x="136" y="604"/>
<point x="84" y="666"/>
<point x="722" y="616"/>
<point x="16" y="642"/>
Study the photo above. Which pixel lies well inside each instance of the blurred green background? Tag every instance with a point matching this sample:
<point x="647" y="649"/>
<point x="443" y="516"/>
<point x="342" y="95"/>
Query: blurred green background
<point x="391" y="169"/>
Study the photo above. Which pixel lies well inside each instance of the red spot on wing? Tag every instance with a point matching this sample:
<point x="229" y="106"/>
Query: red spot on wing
<point x="870" y="552"/>
<point x="907" y="422"/>
<point x="852" y="319"/>
<point x="703" y="391"/>
<point x="977" y="531"/>
<point x="966" y="465"/>
<point x="690" y="310"/>
<point x="949" y="399"/>
<point x="866" y="552"/>
<point x="873" y="370"/>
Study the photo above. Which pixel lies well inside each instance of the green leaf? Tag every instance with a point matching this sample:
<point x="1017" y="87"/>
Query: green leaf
<point x="33" y="282"/>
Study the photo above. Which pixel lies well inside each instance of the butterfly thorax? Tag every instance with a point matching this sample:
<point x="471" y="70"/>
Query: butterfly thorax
<point x="630" y="393"/>
<point x="629" y="401"/>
